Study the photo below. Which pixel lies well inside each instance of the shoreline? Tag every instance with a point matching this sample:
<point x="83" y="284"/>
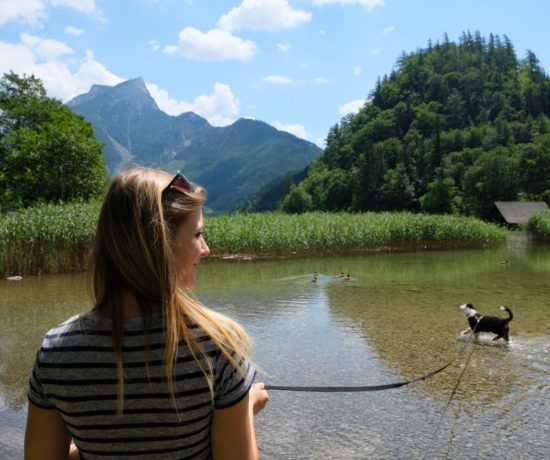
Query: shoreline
<point x="58" y="238"/>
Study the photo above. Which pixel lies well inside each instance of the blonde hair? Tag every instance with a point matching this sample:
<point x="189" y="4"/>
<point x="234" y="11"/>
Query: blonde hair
<point x="133" y="250"/>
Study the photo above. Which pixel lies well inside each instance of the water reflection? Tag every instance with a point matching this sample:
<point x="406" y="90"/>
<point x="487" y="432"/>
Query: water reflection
<point x="396" y="319"/>
<point x="28" y="308"/>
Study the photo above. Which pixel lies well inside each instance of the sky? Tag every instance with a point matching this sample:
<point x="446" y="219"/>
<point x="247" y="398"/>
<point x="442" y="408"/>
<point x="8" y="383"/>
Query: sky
<point x="299" y="65"/>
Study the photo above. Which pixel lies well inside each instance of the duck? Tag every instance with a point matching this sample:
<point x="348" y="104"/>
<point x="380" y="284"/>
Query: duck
<point x="347" y="277"/>
<point x="14" y="278"/>
<point x="504" y="262"/>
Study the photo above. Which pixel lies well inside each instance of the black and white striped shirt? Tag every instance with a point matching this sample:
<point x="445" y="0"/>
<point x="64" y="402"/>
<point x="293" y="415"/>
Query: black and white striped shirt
<point x="75" y="373"/>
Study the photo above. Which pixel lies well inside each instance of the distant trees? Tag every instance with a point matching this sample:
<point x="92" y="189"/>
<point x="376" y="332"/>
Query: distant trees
<point x="297" y="201"/>
<point x="453" y="128"/>
<point x="47" y="152"/>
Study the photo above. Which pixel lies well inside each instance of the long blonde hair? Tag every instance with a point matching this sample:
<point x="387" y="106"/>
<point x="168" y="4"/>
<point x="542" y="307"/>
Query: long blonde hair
<point x="133" y="251"/>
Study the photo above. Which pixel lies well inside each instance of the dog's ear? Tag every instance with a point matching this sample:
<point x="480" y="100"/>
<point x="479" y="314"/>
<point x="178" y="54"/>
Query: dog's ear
<point x="469" y="305"/>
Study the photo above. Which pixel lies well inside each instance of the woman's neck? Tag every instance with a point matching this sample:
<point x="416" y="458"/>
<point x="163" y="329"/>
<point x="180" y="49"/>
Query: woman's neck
<point x="129" y="305"/>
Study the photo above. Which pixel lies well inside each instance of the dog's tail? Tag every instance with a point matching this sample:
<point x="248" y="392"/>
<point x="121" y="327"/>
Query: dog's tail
<point x="510" y="315"/>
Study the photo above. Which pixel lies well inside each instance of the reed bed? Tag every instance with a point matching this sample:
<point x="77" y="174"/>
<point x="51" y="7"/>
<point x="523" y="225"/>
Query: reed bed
<point x="49" y="238"/>
<point x="58" y="238"/>
<point x="539" y="225"/>
<point x="322" y="233"/>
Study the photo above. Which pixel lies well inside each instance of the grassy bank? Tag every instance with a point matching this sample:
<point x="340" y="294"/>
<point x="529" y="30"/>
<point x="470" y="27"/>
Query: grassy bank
<point x="57" y="238"/>
<point x="322" y="233"/>
<point x="539" y="225"/>
<point x="47" y="238"/>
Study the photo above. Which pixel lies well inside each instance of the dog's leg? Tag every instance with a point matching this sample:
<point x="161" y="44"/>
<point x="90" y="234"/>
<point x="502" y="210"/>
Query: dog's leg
<point x="503" y="336"/>
<point x="466" y="331"/>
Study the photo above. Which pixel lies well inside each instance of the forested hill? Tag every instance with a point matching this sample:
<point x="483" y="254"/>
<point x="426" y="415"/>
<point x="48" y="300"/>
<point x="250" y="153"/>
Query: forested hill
<point x="454" y="127"/>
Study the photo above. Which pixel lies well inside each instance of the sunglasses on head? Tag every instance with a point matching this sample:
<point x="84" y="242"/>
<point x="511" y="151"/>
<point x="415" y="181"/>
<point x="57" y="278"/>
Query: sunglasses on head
<point x="180" y="183"/>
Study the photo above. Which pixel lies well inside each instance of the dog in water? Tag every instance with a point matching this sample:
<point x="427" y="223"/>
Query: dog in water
<point x="480" y="323"/>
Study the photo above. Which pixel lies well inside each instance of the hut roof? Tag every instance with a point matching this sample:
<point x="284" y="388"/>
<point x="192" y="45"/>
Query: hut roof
<point x="517" y="212"/>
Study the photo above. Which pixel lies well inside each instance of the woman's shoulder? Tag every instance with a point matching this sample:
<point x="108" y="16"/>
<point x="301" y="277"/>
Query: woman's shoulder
<point x="74" y="322"/>
<point x="76" y="326"/>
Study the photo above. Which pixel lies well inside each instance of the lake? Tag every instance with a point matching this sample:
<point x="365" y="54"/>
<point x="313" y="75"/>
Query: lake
<point x="395" y="320"/>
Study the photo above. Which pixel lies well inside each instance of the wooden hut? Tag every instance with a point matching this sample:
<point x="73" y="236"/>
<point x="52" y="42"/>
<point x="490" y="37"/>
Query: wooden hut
<point x="517" y="212"/>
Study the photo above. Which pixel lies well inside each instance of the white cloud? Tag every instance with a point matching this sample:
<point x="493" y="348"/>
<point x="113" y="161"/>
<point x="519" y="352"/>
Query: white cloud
<point x="373" y="51"/>
<point x="93" y="72"/>
<point x="153" y="44"/>
<point x="351" y="107"/>
<point x="389" y="29"/>
<point x="214" y="45"/>
<point x="323" y="33"/>
<point x="283" y="47"/>
<point x="319" y="81"/>
<point x="45" y="48"/>
<point x="29" y="11"/>
<point x="263" y="15"/>
<point x="44" y="58"/>
<point x="369" y="4"/>
<point x="297" y="130"/>
<point x="72" y="30"/>
<point x="84" y="6"/>
<point x="220" y="108"/>
<point x="357" y="70"/>
<point x="277" y="80"/>
<point x="35" y="11"/>
<point x="16" y="57"/>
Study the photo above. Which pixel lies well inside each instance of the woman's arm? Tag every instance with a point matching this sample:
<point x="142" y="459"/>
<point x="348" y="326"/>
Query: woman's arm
<point x="233" y="433"/>
<point x="46" y="436"/>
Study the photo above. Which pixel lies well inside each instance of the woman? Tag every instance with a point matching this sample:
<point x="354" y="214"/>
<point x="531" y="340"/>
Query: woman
<point x="148" y="372"/>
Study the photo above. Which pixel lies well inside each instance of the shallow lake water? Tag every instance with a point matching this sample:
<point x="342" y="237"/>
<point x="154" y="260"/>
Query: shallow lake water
<point x="395" y="320"/>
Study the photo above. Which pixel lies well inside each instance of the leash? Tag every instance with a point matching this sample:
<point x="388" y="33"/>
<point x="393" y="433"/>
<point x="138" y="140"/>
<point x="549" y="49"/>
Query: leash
<point x="357" y="389"/>
<point x="452" y="395"/>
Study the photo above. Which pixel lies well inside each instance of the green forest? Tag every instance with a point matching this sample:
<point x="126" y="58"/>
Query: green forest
<point x="451" y="129"/>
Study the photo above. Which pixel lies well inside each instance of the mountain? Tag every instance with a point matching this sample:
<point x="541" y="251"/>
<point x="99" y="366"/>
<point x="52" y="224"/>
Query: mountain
<point x="269" y="196"/>
<point x="233" y="163"/>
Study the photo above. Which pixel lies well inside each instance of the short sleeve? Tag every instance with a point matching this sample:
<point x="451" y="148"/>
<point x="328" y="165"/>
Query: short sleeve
<point x="35" y="392"/>
<point x="232" y="385"/>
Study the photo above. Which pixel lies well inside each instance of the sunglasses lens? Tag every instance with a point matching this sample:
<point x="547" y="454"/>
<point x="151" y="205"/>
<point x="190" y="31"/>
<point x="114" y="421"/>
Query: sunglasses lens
<point x="182" y="184"/>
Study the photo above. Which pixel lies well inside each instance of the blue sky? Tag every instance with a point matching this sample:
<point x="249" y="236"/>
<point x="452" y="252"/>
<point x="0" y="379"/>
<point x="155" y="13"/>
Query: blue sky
<point x="299" y="65"/>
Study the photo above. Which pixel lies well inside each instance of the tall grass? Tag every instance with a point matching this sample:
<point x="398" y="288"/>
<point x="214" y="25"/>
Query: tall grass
<point x="49" y="238"/>
<point x="539" y="225"/>
<point x="57" y="238"/>
<point x="314" y="233"/>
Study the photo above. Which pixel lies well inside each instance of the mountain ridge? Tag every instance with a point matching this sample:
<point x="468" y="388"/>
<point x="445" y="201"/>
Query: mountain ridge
<point x="133" y="129"/>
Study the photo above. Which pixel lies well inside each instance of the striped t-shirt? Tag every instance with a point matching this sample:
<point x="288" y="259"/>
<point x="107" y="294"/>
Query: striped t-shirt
<point x="75" y="373"/>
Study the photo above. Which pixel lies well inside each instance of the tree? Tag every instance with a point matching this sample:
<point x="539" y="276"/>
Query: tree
<point x="297" y="201"/>
<point x="492" y="177"/>
<point x="534" y="167"/>
<point x="397" y="192"/>
<point x="47" y="152"/>
<point x="440" y="197"/>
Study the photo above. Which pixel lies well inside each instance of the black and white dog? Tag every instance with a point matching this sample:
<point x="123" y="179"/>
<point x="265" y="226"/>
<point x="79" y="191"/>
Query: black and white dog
<point x="480" y="323"/>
